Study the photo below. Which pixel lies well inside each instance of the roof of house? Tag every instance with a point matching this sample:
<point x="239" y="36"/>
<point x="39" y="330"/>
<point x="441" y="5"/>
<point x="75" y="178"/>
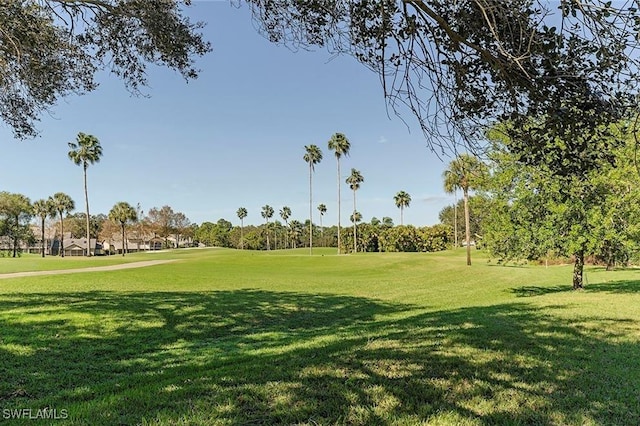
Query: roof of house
<point x="80" y="243"/>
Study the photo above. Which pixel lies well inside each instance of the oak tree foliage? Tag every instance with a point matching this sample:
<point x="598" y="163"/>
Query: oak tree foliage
<point x="52" y="48"/>
<point x="460" y="66"/>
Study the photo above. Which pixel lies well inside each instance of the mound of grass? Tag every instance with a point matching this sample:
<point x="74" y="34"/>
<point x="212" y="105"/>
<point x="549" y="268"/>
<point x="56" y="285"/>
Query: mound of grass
<point x="230" y="337"/>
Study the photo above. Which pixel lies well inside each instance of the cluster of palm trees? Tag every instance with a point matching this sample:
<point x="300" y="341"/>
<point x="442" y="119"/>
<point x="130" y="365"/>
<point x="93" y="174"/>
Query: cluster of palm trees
<point x="313" y="155"/>
<point x="84" y="151"/>
<point x="57" y="204"/>
<point x="340" y="145"/>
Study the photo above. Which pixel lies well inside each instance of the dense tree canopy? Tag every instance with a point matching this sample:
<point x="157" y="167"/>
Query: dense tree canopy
<point x="15" y="213"/>
<point x="53" y="48"/>
<point x="536" y="213"/>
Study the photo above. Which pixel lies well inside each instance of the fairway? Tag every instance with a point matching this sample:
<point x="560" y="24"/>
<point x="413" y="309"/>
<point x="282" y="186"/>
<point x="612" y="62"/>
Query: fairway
<point x="233" y="338"/>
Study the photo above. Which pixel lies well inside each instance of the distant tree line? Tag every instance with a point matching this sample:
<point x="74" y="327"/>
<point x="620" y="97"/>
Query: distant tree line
<point x="376" y="236"/>
<point x="56" y="214"/>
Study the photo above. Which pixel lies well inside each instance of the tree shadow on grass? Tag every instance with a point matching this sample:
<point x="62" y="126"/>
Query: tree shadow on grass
<point x="261" y="357"/>
<point x="532" y="290"/>
<point x="620" y="286"/>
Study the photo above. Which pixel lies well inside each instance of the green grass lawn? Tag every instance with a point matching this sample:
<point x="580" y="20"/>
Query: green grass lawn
<point x="35" y="262"/>
<point x="235" y="338"/>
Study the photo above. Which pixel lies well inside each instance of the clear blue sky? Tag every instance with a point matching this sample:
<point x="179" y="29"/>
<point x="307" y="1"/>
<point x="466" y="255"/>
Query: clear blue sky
<point x="234" y="137"/>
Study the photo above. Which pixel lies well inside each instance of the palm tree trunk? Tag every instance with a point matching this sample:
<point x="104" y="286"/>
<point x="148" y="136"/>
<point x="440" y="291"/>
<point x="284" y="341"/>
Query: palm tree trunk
<point x="61" y="236"/>
<point x="578" y="268"/>
<point x="310" y="208"/>
<point x="467" y="231"/>
<point x="286" y="235"/>
<point x="401" y="216"/>
<point x="241" y="234"/>
<point x="268" y="235"/>
<point x="86" y="201"/>
<point x="322" y="242"/>
<point x="355" y="235"/>
<point x="123" y="239"/>
<point x="338" y="160"/>
<point x="42" y="237"/>
<point x="455" y="219"/>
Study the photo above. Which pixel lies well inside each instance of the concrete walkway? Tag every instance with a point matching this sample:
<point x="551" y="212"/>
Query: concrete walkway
<point x="91" y="269"/>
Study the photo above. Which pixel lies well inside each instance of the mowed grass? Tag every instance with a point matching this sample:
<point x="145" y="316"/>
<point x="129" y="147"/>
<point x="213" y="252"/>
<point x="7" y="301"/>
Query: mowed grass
<point x="233" y="338"/>
<point x="34" y="262"/>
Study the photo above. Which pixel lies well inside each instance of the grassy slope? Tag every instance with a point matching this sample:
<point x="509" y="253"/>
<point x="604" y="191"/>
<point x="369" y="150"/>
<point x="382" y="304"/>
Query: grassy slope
<point x="226" y="337"/>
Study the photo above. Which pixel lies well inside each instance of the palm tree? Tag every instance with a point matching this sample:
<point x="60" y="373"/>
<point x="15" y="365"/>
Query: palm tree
<point x="285" y="214"/>
<point x="242" y="213"/>
<point x="340" y="145"/>
<point x="322" y="209"/>
<point x="465" y="172"/>
<point x="84" y="151"/>
<point x="267" y="213"/>
<point x="62" y="204"/>
<point x="123" y="213"/>
<point x="354" y="180"/>
<point x="43" y="209"/>
<point x="295" y="231"/>
<point x="312" y="156"/>
<point x="355" y="218"/>
<point x="402" y="199"/>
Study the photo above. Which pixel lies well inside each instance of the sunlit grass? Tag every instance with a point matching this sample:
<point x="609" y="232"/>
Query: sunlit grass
<point x="230" y="337"/>
<point x="34" y="262"/>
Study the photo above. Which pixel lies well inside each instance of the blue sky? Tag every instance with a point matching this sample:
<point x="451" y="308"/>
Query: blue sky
<point x="234" y="137"/>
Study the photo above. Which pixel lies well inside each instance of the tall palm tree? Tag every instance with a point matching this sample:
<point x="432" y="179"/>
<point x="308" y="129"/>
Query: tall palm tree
<point x="312" y="156"/>
<point x="242" y="213"/>
<point x="84" y="151"/>
<point x="267" y="213"/>
<point x="340" y="145"/>
<point x="322" y="209"/>
<point x="465" y="172"/>
<point x="62" y="204"/>
<point x="43" y="209"/>
<point x="123" y="213"/>
<point x="285" y="214"/>
<point x="354" y="180"/>
<point x="402" y="199"/>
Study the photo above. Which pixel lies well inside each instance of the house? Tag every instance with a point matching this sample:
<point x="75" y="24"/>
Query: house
<point x="78" y="247"/>
<point x="133" y="245"/>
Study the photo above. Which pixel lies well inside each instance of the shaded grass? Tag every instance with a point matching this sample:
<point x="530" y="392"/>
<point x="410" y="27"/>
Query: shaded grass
<point x="266" y="338"/>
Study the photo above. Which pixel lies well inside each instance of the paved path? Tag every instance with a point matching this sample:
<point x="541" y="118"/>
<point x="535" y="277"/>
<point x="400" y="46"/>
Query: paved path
<point x="92" y="269"/>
